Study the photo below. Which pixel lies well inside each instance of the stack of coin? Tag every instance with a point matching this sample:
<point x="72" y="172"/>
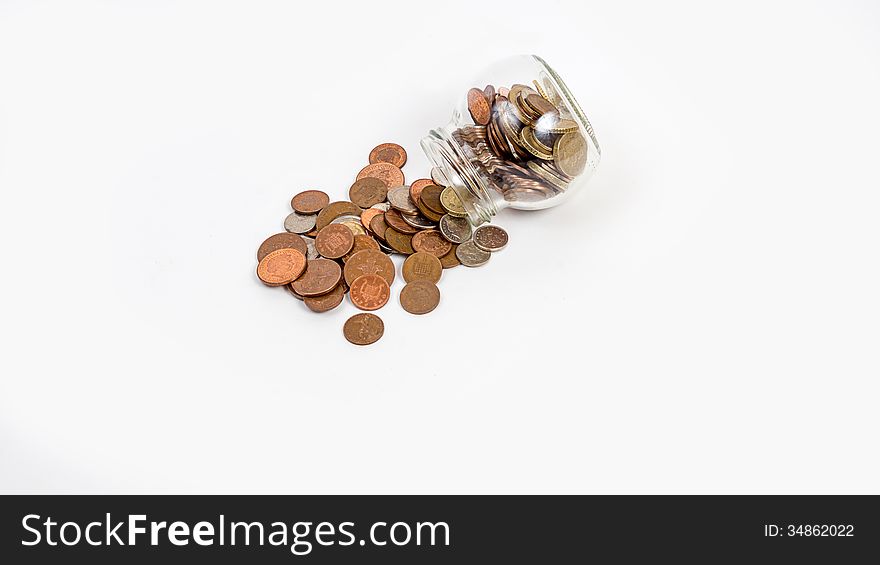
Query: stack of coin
<point x="331" y="249"/>
<point x="524" y="141"/>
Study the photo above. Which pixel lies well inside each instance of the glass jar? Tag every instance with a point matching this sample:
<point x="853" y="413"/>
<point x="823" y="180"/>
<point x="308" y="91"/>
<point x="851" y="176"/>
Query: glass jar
<point x="517" y="138"/>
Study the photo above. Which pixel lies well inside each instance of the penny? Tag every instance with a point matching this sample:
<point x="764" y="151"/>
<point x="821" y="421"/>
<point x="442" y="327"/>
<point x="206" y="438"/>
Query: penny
<point x="450" y="260"/>
<point x="470" y="255"/>
<point x="490" y="238"/>
<point x="489" y="91"/>
<point x="539" y="104"/>
<point x="369" y="292"/>
<point x="431" y="241"/>
<point x="363" y="329"/>
<point x="422" y="266"/>
<point x="478" y="106"/>
<point x="450" y="202"/>
<point x="430" y="198"/>
<point x="334" y="241"/>
<point x="298" y="223"/>
<point x="439" y="177"/>
<point x="388" y="173"/>
<point x="367" y="191"/>
<point x="368" y="215"/>
<point x="378" y="226"/>
<point x="394" y="219"/>
<point x="320" y="277"/>
<point x="325" y="302"/>
<point x="281" y="266"/>
<point x="418" y="221"/>
<point x="419" y="297"/>
<point x="293" y="292"/>
<point x="368" y="262"/>
<point x="311" y="252"/>
<point x="281" y="241"/>
<point x="309" y="201"/>
<point x="570" y="153"/>
<point x="400" y="200"/>
<point x="400" y="242"/>
<point x="334" y="210"/>
<point x="416" y="187"/>
<point x="455" y="230"/>
<point x="361" y="242"/>
<point x="388" y="153"/>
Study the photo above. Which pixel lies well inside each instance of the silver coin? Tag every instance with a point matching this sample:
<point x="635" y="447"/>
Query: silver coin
<point x="438" y="177"/>
<point x="455" y="230"/>
<point x="311" y="251"/>
<point x="418" y="221"/>
<point x="384" y="206"/>
<point x="300" y="223"/>
<point x="400" y="200"/>
<point x="490" y="238"/>
<point x="470" y="255"/>
<point x="384" y="247"/>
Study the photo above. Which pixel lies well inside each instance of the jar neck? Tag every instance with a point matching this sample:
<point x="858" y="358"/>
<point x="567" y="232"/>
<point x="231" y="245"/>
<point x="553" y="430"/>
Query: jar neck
<point x="473" y="189"/>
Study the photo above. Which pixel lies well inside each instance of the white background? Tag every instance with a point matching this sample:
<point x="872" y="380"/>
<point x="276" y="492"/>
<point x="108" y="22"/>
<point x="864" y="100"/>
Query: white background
<point x="703" y="317"/>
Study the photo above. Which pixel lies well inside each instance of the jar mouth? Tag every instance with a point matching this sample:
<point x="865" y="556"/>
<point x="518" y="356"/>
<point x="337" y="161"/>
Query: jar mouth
<point x="563" y="89"/>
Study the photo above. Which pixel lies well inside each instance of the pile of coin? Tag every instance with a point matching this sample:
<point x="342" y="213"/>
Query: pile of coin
<point x="524" y="142"/>
<point x="331" y="249"/>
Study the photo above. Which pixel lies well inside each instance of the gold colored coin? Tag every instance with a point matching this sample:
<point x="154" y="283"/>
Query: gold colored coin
<point x="534" y="146"/>
<point x="452" y="203"/>
<point x="570" y="153"/>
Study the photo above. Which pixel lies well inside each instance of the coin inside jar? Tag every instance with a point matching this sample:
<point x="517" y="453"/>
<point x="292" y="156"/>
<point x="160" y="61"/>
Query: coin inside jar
<point x="309" y="201"/>
<point x="367" y="191"/>
<point x="420" y="297"/>
<point x="369" y="292"/>
<point x="422" y="266"/>
<point x="281" y="241"/>
<point x="388" y="153"/>
<point x="490" y="238"/>
<point x="363" y="329"/>
<point x="320" y="277"/>
<point x="478" y="106"/>
<point x="451" y="203"/>
<point x="368" y="262"/>
<point x="470" y="255"/>
<point x="281" y="266"/>
<point x="334" y="241"/>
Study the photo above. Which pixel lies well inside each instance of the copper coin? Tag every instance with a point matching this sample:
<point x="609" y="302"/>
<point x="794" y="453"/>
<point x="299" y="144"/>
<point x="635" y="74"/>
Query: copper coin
<point x="539" y="104"/>
<point x="368" y="215"/>
<point x="431" y="241"/>
<point x="395" y="220"/>
<point x="367" y="191"/>
<point x="361" y="242"/>
<point x="363" y="329"/>
<point x="378" y="226"/>
<point x="281" y="266"/>
<point x="419" y="297"/>
<point x="415" y="190"/>
<point x="450" y="260"/>
<point x="430" y="198"/>
<point x="422" y="266"/>
<point x="334" y="210"/>
<point x="369" y="292"/>
<point x="400" y="242"/>
<point x="281" y="241"/>
<point x="490" y="238"/>
<point x="388" y="153"/>
<point x="309" y="201"/>
<point x="386" y="172"/>
<point x="326" y="302"/>
<point x="320" y="277"/>
<point x="478" y="106"/>
<point x="369" y="262"/>
<point x="334" y="241"/>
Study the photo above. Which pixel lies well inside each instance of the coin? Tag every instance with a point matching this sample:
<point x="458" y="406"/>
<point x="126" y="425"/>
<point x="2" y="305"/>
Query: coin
<point x="450" y="260"/>
<point x="354" y="225"/>
<point x="334" y="210"/>
<point x="400" y="200"/>
<point x="363" y="329"/>
<point x="478" y="106"/>
<point x="334" y="241"/>
<point x="534" y="146"/>
<point x="325" y="302"/>
<point x="451" y="203"/>
<point x="470" y="255"/>
<point x="439" y="177"/>
<point x="490" y="238"/>
<point x="570" y="153"/>
<point x="564" y="126"/>
<point x="427" y="212"/>
<point x="281" y="241"/>
<point x="369" y="292"/>
<point x="455" y="230"/>
<point x="539" y="104"/>
<point x="430" y="198"/>
<point x="416" y="187"/>
<point x="367" y="191"/>
<point x="400" y="242"/>
<point x="388" y="173"/>
<point x="311" y="252"/>
<point x="419" y="297"/>
<point x="320" y="277"/>
<point x="422" y="266"/>
<point x="431" y="241"/>
<point x="378" y="226"/>
<point x="388" y="153"/>
<point x="368" y="215"/>
<point x="394" y="219"/>
<point x="298" y="223"/>
<point x="368" y="262"/>
<point x="418" y="221"/>
<point x="281" y="266"/>
<point x="309" y="201"/>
